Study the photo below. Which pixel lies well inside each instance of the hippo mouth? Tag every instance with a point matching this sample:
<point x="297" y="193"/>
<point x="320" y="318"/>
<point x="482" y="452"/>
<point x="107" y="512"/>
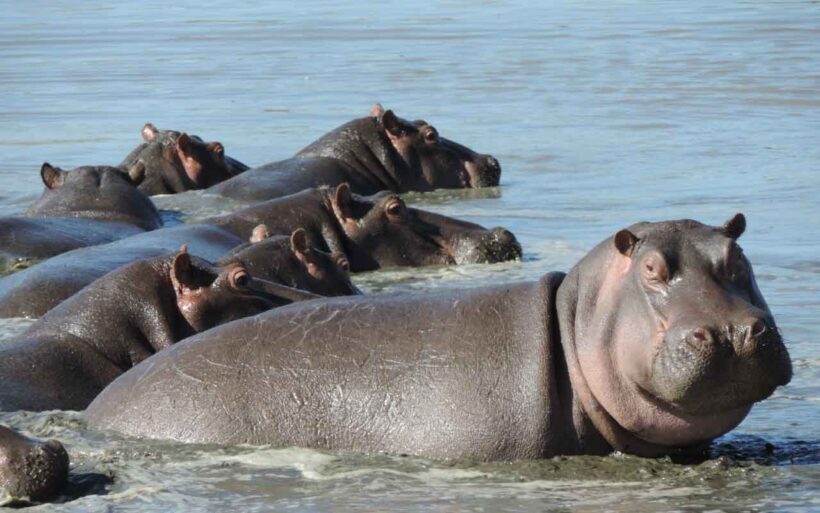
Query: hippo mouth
<point x="475" y="175"/>
<point x="687" y="381"/>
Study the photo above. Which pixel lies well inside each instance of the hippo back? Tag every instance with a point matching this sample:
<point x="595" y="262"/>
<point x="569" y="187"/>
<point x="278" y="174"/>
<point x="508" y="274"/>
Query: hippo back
<point x="447" y="375"/>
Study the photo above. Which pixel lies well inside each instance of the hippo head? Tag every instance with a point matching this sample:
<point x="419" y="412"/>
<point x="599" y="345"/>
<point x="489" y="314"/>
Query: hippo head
<point x="293" y="262"/>
<point x="182" y="161"/>
<point x="209" y="295"/>
<point x="381" y="231"/>
<point x="97" y="192"/>
<point x="444" y="164"/>
<point x="671" y="336"/>
<point x="30" y="470"/>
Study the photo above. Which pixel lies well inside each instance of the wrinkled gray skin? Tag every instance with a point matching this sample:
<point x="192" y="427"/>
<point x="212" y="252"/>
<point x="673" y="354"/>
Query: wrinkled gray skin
<point x="617" y="355"/>
<point x="374" y="232"/>
<point x="66" y="358"/>
<point x="177" y="162"/>
<point x="83" y="207"/>
<point x="36" y="290"/>
<point x="381" y="152"/>
<point x="30" y="470"/>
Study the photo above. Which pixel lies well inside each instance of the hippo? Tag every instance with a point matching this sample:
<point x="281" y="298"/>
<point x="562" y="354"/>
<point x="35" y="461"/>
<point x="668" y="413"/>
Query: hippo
<point x="30" y="470"/>
<point x="379" y="231"/>
<point x="36" y="290"/>
<point x="82" y="207"/>
<point x="655" y="343"/>
<point x="292" y="261"/>
<point x="177" y="162"/>
<point x="65" y="358"/>
<point x="361" y="234"/>
<point x="380" y="152"/>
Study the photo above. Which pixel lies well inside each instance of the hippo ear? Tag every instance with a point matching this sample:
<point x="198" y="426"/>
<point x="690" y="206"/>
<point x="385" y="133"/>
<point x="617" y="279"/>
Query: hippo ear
<point x="217" y="148"/>
<point x="260" y="232"/>
<point x="377" y="110"/>
<point x="391" y="123"/>
<point x="625" y="241"/>
<point x="184" y="143"/>
<point x="181" y="272"/>
<point x="149" y="132"/>
<point x="53" y="177"/>
<point x="299" y="241"/>
<point x="137" y="173"/>
<point x="344" y="200"/>
<point x="734" y="227"/>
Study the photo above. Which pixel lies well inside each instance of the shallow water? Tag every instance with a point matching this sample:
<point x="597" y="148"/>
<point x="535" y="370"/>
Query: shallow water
<point x="602" y="114"/>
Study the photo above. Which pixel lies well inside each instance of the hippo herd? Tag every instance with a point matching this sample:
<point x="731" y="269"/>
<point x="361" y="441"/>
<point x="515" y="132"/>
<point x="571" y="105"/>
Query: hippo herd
<point x="245" y="328"/>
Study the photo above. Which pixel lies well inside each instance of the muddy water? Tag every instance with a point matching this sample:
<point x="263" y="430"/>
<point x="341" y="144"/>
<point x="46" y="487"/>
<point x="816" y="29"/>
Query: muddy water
<point x="602" y="114"/>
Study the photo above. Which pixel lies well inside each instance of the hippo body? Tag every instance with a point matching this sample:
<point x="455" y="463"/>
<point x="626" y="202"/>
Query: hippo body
<point x="624" y="353"/>
<point x="30" y="470"/>
<point x="63" y="360"/>
<point x="25" y="238"/>
<point x="36" y="290"/>
<point x="176" y="162"/>
<point x="374" y="232"/>
<point x="378" y="153"/>
<point x="83" y="207"/>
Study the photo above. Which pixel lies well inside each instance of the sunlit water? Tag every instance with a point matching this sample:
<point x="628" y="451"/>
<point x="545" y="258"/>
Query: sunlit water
<point x="602" y="114"/>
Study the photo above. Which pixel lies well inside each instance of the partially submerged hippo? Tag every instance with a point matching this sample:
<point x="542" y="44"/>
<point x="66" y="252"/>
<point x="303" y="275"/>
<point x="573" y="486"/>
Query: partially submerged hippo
<point x="381" y="152"/>
<point x="292" y="261"/>
<point x="63" y="360"/>
<point x="83" y="207"/>
<point x="375" y="232"/>
<point x="30" y="470"/>
<point x="36" y="290"/>
<point x="177" y="162"/>
<point x="657" y="340"/>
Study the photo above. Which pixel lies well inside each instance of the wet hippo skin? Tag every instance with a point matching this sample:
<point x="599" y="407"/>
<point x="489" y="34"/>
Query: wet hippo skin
<point x="638" y="349"/>
<point x="36" y="290"/>
<point x="381" y="152"/>
<point x="177" y="162"/>
<point x="65" y="358"/>
<point x="375" y="232"/>
<point x="30" y="470"/>
<point x="83" y="207"/>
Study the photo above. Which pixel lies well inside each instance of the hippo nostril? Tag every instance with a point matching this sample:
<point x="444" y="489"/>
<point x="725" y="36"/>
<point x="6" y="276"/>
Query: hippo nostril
<point x="700" y="336"/>
<point x="758" y="328"/>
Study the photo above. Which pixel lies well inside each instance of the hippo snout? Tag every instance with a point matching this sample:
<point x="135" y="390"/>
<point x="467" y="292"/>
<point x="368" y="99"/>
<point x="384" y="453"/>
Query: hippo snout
<point x="484" y="171"/>
<point x="706" y="368"/>
<point x="491" y="246"/>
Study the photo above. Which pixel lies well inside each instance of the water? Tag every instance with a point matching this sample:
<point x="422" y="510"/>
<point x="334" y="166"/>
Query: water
<point x="602" y="114"/>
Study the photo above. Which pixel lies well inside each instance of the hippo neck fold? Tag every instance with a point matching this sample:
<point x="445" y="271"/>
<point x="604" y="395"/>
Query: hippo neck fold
<point x="361" y="145"/>
<point x="618" y="437"/>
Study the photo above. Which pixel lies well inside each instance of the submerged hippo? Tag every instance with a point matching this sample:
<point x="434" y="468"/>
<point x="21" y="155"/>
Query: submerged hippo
<point x="177" y="162"/>
<point x="63" y="360"/>
<point x="375" y="232"/>
<point x="30" y="470"/>
<point x="656" y="340"/>
<point x="83" y="207"/>
<point x="36" y="290"/>
<point x="381" y="152"/>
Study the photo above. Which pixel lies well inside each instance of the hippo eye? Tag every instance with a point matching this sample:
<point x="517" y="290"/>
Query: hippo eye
<point x="736" y="265"/>
<point x="394" y="208"/>
<point x="655" y="271"/>
<point x="431" y="136"/>
<point x="240" y="278"/>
